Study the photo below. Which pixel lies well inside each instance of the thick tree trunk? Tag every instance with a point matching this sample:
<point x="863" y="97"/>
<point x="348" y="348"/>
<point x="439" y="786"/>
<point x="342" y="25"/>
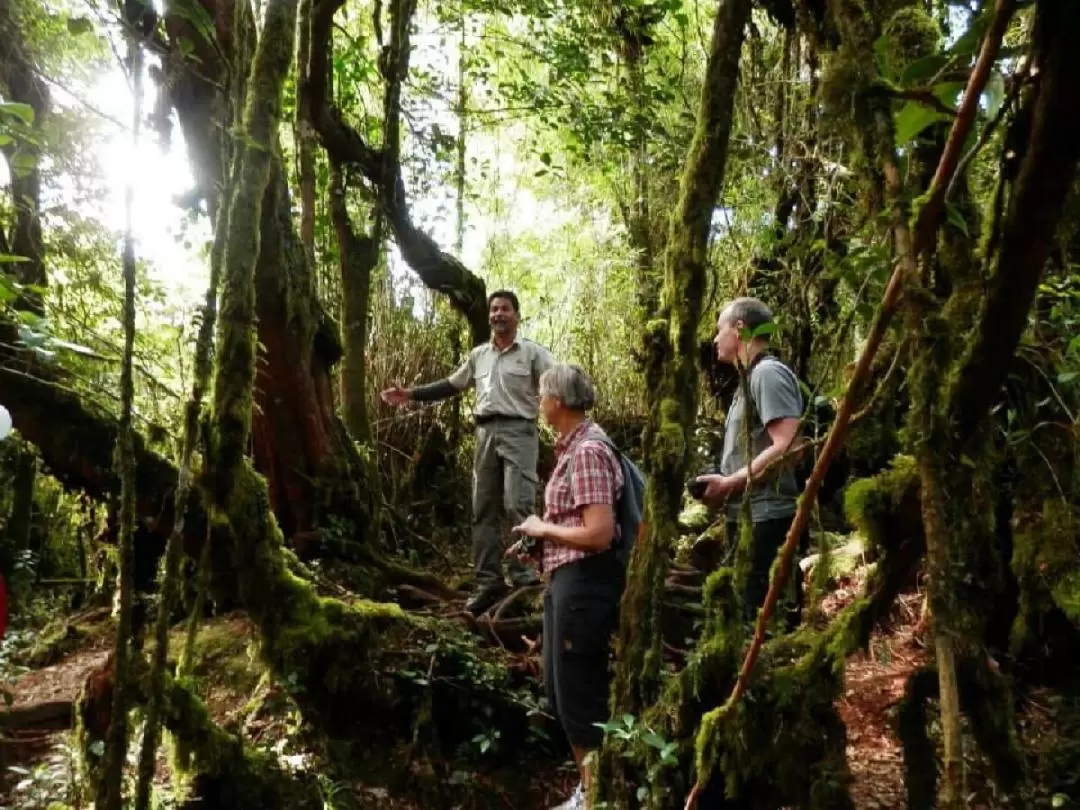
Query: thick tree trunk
<point x="20" y="82"/>
<point x="1046" y="172"/>
<point x="298" y="442"/>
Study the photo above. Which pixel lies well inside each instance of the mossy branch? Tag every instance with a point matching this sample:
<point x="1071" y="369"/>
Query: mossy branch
<point x="170" y="578"/>
<point x="110" y="788"/>
<point x="673" y="369"/>
<point x="235" y="379"/>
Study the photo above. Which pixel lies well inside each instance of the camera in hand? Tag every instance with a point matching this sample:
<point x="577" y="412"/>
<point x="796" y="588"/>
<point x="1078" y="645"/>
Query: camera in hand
<point x="529" y="545"/>
<point x="697" y="488"/>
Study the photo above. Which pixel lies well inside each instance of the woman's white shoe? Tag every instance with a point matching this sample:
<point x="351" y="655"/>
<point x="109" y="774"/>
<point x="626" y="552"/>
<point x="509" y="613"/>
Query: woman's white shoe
<point x="575" y="802"/>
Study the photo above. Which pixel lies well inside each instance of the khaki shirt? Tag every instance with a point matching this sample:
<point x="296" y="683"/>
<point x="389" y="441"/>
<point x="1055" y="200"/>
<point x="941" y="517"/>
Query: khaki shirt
<point x="507" y="382"/>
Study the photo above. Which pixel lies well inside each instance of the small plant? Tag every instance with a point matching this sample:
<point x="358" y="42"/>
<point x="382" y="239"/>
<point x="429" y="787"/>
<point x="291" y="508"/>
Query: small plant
<point x="642" y="742"/>
<point x="51" y="784"/>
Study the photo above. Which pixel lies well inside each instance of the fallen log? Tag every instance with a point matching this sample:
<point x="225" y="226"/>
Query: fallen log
<point x="50" y="715"/>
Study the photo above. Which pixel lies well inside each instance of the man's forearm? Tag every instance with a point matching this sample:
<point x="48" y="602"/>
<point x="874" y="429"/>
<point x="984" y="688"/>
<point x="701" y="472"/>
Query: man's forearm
<point x="758" y="464"/>
<point x="433" y="392"/>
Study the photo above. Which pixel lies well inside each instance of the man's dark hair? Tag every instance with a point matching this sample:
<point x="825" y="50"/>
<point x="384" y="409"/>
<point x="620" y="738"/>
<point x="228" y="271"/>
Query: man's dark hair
<point x="509" y="296"/>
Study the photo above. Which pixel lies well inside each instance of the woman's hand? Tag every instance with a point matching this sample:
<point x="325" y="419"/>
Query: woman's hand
<point x="519" y="551"/>
<point x="532" y="526"/>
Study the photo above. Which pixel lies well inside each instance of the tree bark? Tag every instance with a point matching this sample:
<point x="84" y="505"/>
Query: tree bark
<point x="357" y="258"/>
<point x="110" y="795"/>
<point x="298" y="442"/>
<point x="21" y="83"/>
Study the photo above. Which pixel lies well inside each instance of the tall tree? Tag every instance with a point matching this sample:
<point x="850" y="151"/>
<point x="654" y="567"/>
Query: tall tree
<point x="298" y="441"/>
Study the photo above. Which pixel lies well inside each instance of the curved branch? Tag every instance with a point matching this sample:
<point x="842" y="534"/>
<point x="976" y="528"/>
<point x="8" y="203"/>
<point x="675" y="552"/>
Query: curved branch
<point x="438" y="270"/>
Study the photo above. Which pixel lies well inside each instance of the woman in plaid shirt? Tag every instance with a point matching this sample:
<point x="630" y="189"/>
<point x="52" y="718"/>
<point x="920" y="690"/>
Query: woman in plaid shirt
<point x="585" y="579"/>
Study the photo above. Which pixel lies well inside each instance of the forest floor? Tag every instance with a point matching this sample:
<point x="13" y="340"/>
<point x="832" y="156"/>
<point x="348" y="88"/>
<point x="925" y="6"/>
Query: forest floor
<point x="38" y="764"/>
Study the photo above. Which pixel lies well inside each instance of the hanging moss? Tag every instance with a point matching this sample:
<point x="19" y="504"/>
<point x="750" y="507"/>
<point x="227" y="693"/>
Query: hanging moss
<point x="909" y="35"/>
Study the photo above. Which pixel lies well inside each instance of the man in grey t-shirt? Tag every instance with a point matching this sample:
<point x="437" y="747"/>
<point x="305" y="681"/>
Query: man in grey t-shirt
<point x="506" y="374"/>
<point x="774" y="413"/>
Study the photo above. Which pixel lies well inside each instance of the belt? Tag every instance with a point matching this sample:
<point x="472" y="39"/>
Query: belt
<point x="485" y="418"/>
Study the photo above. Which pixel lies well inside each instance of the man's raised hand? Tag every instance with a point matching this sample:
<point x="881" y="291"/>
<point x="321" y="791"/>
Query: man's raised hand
<point x="395" y="396"/>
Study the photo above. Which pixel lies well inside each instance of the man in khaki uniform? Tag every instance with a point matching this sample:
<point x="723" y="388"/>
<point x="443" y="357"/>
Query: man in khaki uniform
<point x="506" y="372"/>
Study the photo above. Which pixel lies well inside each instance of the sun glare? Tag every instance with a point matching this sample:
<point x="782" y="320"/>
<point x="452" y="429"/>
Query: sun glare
<point x="171" y="246"/>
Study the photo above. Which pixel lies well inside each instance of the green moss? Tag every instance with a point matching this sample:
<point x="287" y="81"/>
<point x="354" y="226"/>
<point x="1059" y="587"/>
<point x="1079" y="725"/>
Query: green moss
<point x="226" y="773"/>
<point x="789" y="712"/>
<point x="1044" y="562"/>
<point x="910" y="34"/>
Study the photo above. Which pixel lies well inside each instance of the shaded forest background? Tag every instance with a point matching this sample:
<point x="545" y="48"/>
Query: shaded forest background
<point x="244" y="574"/>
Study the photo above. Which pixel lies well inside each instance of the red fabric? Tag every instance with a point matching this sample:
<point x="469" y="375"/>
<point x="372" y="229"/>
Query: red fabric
<point x="597" y="479"/>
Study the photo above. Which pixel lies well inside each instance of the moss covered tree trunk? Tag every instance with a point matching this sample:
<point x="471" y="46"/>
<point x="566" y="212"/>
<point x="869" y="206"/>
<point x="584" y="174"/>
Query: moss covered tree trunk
<point x="297" y="440"/>
<point x="22" y="82"/>
<point x="672" y="385"/>
<point x="358" y="256"/>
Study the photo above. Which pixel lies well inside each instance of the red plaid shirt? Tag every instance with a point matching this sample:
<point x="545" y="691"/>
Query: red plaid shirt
<point x="597" y="479"/>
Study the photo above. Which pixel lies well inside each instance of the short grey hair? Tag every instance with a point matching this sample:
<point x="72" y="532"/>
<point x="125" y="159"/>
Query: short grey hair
<point x="751" y="311"/>
<point x="569" y="383"/>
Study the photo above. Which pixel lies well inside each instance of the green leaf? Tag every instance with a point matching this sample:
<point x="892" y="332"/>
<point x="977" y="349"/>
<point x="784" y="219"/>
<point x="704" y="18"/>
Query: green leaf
<point x="5" y="139"/>
<point x="73" y="347"/>
<point x="19" y="110"/>
<point x="995" y="94"/>
<point x="922" y="69"/>
<point x="764" y="329"/>
<point x="913" y="118"/>
<point x="881" y="55"/>
<point x="77" y="26"/>
<point x="23" y="162"/>
<point x="628" y="720"/>
<point x="956" y="219"/>
<point x="948" y="93"/>
<point x="970" y="40"/>
<point x="654" y="739"/>
<point x="8" y="258"/>
<point x="1066" y="377"/>
<point x="1059" y="800"/>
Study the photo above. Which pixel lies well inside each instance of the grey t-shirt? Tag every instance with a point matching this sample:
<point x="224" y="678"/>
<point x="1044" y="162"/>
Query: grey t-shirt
<point x="776" y="395"/>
